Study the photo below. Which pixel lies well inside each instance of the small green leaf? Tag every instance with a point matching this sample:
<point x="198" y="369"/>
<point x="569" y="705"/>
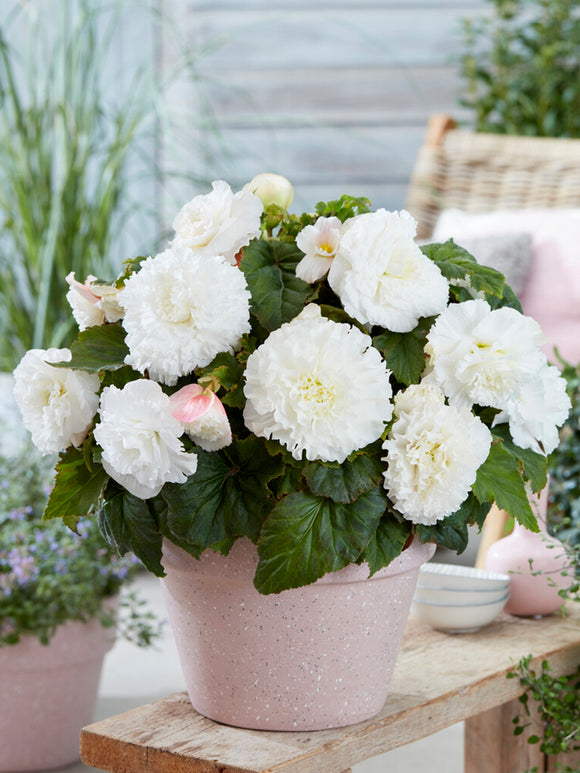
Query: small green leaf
<point x="278" y="295"/>
<point x="451" y="532"/>
<point x="77" y="487"/>
<point x="346" y="482"/>
<point x="386" y="543"/>
<point x="306" y="536"/>
<point x="457" y="263"/>
<point x="534" y="465"/>
<point x="405" y="352"/>
<point x="230" y="374"/>
<point x="97" y="348"/>
<point x="128" y="523"/>
<point x="499" y="479"/>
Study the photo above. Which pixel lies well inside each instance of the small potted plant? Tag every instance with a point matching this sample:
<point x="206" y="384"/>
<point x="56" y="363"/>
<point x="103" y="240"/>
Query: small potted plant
<point x="59" y="614"/>
<point x="285" y="413"/>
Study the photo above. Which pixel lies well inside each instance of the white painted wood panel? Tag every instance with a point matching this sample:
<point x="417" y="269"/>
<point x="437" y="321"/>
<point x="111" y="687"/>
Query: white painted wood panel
<point x="334" y="95"/>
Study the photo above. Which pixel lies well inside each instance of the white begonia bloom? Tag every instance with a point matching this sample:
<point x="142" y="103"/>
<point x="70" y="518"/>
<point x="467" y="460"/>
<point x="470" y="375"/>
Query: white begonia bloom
<point x="271" y="188"/>
<point x="181" y="309"/>
<point x="380" y="274"/>
<point x="482" y="356"/>
<point x="218" y="223"/>
<point x="203" y="417"/>
<point x="140" y="439"/>
<point x="92" y="303"/>
<point x="57" y="404"/>
<point x="318" y="387"/>
<point x="319" y="243"/>
<point x="433" y="454"/>
<point x="541" y="406"/>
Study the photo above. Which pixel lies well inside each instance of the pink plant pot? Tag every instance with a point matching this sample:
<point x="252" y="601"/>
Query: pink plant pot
<point x="307" y="659"/>
<point x="47" y="694"/>
<point x="535" y="562"/>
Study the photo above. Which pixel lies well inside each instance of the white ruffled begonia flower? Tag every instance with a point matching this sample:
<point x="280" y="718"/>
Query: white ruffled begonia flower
<point x="380" y="274"/>
<point x="319" y="387"/>
<point x="92" y="303"/>
<point x="319" y="243"/>
<point x="433" y="454"/>
<point x="203" y="416"/>
<point x="482" y="356"/>
<point x="541" y="406"/>
<point x="181" y="309"/>
<point x="218" y="223"/>
<point x="57" y="404"/>
<point x="140" y="439"/>
<point x="271" y="188"/>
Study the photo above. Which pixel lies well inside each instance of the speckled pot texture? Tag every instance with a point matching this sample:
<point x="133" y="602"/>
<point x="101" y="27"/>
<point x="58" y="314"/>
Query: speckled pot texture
<point x="307" y="659"/>
<point x="47" y="694"/>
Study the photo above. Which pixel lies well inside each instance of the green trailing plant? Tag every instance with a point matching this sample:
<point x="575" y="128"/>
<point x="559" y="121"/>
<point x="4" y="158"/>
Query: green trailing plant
<point x="521" y="68"/>
<point x="558" y="707"/>
<point x="564" y="467"/>
<point x="50" y="575"/>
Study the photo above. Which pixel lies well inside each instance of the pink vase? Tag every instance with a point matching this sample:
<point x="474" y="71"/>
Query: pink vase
<point x="534" y="561"/>
<point x="306" y="659"/>
<point x="48" y="693"/>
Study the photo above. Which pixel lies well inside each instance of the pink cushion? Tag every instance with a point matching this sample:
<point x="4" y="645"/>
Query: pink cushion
<point x="551" y="292"/>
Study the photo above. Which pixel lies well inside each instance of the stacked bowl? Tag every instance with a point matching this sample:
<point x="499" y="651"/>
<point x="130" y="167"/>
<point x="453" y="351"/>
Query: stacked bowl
<point x="458" y="599"/>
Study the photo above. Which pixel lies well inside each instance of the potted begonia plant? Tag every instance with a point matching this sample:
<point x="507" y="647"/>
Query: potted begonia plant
<point x="305" y="396"/>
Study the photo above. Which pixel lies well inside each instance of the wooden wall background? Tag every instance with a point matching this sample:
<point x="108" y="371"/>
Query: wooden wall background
<point x="333" y="94"/>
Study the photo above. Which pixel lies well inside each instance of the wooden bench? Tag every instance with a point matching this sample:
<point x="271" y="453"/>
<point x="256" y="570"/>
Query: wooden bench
<point x="439" y="680"/>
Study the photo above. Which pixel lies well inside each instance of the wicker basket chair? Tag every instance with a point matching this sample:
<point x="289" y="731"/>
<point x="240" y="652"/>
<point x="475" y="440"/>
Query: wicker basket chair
<point x="476" y="172"/>
<point x="485" y="172"/>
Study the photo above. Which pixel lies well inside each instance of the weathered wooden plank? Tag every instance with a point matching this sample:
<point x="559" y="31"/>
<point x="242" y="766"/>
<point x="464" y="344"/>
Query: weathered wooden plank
<point x="324" y="154"/>
<point x="439" y="680"/>
<point x="300" y="5"/>
<point x="491" y="747"/>
<point x="279" y="39"/>
<point x="340" y="96"/>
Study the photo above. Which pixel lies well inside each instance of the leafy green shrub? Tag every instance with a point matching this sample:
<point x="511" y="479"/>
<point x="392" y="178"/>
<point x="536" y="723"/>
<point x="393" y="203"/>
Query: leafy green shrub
<point x="521" y="68"/>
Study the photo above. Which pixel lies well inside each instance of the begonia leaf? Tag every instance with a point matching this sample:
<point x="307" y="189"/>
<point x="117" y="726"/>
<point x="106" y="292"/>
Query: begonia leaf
<point x="278" y="295"/>
<point x="306" y="536"/>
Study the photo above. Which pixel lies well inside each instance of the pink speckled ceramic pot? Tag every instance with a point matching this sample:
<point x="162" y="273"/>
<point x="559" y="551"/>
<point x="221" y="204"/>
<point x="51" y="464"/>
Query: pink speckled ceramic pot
<point x="307" y="659"/>
<point x="47" y="694"/>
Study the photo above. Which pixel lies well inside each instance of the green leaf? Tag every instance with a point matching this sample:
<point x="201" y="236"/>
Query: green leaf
<point x="451" y="532"/>
<point x="346" y="482"/>
<point x="405" y="352"/>
<point x="386" y="543"/>
<point x="230" y="374"/>
<point x="77" y="487"/>
<point x="534" y="465"/>
<point x="278" y="295"/>
<point x="101" y="347"/>
<point x="306" y="536"/>
<point x="128" y="523"/>
<point x="227" y="497"/>
<point x="456" y="263"/>
<point x="499" y="479"/>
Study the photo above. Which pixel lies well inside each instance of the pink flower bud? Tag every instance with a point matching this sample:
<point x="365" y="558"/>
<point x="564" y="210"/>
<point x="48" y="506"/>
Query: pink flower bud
<point x="203" y="416"/>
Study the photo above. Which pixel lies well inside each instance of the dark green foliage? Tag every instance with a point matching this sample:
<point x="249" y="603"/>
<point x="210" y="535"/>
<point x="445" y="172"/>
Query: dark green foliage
<point x="521" y="68"/>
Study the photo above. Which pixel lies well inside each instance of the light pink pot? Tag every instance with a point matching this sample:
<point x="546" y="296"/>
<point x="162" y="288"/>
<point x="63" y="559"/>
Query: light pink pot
<point x="535" y="586"/>
<point x="47" y="694"/>
<point x="307" y="659"/>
